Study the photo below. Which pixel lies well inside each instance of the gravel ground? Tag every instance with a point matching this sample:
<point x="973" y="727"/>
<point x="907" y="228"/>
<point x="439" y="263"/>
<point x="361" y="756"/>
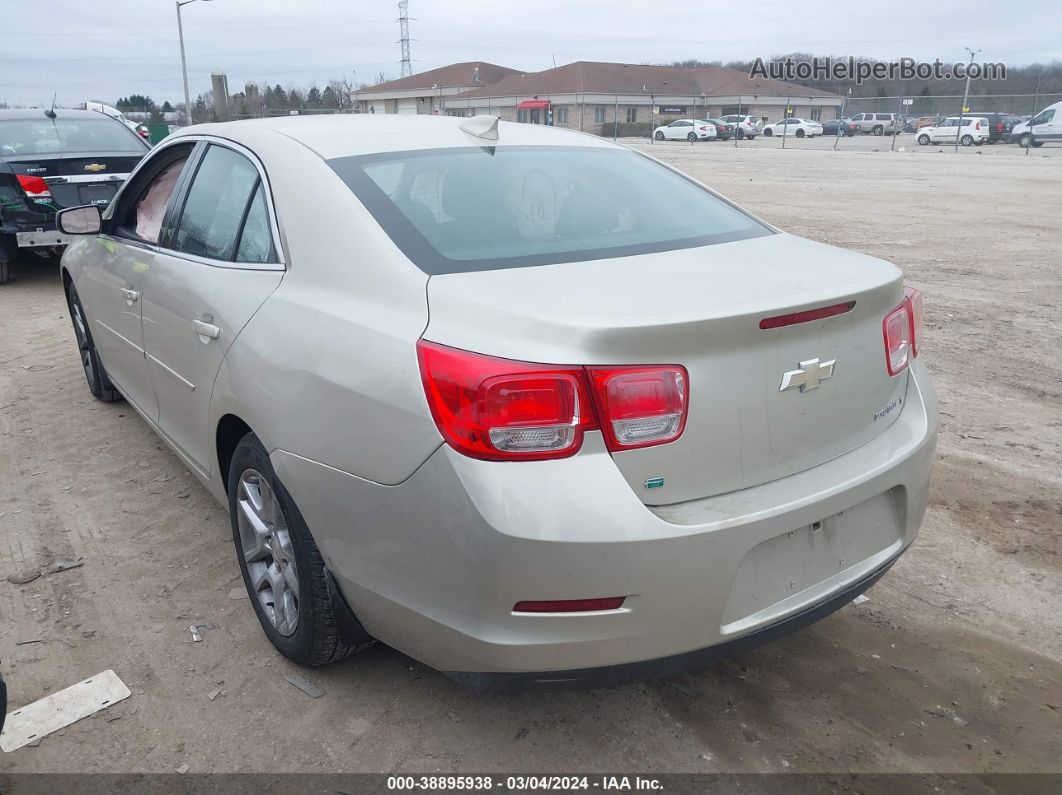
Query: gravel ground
<point x="955" y="663"/>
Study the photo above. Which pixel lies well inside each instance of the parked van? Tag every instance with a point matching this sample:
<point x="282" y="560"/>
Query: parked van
<point x="1043" y="127"/>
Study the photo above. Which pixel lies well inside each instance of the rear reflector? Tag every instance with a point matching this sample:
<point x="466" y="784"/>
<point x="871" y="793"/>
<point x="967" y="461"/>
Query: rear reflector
<point x="570" y="605"/>
<point x="807" y="315"/>
<point x="34" y="187"/>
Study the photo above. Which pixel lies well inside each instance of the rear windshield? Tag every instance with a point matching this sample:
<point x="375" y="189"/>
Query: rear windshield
<point x="48" y="136"/>
<point x="488" y="208"/>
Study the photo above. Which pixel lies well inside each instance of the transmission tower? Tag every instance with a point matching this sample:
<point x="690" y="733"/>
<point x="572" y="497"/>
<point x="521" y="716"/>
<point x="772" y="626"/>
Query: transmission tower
<point x="403" y="27"/>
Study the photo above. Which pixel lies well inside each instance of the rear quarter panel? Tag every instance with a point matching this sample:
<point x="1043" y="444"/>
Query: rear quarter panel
<point x="327" y="368"/>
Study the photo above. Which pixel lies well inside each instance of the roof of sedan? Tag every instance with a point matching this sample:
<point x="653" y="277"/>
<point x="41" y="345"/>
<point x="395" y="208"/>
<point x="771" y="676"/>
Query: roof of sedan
<point x="343" y="135"/>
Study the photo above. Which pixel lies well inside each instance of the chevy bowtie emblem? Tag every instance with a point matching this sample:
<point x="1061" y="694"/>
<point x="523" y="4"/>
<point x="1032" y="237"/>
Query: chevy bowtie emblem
<point x="810" y="374"/>
<point x="95" y="167"/>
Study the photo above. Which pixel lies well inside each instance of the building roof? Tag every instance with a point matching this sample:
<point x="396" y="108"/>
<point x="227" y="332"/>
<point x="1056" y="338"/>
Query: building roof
<point x="456" y="74"/>
<point x="618" y="78"/>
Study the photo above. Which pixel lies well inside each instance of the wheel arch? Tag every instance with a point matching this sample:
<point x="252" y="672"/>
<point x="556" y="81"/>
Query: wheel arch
<point x="230" y="429"/>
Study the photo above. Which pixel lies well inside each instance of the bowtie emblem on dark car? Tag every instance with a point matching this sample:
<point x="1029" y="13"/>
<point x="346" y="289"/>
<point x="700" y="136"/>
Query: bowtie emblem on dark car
<point x="95" y="167"/>
<point x="809" y="376"/>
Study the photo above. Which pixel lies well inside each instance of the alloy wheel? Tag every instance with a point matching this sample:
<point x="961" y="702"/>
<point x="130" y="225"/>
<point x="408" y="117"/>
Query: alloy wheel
<point x="265" y="544"/>
<point x="83" y="344"/>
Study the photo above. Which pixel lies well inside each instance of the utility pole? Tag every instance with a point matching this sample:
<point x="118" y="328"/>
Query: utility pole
<point x="184" y="63"/>
<point x="965" y="96"/>
<point x="403" y="29"/>
<point x="896" y="126"/>
<point x="844" y="100"/>
<point x="785" y="113"/>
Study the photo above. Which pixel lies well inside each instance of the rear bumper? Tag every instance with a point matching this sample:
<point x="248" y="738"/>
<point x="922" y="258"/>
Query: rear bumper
<point x="613" y="675"/>
<point x="42" y="238"/>
<point x="434" y="566"/>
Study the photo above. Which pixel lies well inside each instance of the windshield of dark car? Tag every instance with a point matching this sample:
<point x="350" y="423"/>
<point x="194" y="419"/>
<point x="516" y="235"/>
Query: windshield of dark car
<point x="486" y="208"/>
<point x="55" y="136"/>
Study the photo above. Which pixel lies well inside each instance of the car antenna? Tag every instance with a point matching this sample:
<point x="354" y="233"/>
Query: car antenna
<point x="50" y="113"/>
<point x="482" y="126"/>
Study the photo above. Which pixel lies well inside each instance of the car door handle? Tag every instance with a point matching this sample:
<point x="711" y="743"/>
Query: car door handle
<point x="206" y="329"/>
<point x="132" y="296"/>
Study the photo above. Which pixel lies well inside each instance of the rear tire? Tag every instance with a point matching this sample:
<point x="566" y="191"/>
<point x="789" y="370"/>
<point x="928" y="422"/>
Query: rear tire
<point x="740" y="134"/>
<point x="692" y="138"/>
<point x="98" y="383"/>
<point x="966" y="140"/>
<point x="923" y="140"/>
<point x="879" y="130"/>
<point x="286" y="554"/>
<point x="5" y="271"/>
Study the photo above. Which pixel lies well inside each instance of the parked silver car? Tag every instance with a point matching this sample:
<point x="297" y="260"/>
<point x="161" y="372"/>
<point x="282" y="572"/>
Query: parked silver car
<point x="529" y="406"/>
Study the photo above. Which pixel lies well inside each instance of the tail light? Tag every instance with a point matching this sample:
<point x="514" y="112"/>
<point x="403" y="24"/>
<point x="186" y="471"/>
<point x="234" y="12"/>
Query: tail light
<point x="505" y="410"/>
<point x="902" y="329"/>
<point x="639" y="406"/>
<point x="977" y="125"/>
<point x="34" y="187"/>
<point x="914" y="298"/>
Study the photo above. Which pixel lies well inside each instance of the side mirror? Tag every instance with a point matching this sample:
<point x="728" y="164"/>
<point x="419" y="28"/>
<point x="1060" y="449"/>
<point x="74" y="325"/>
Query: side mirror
<point x="80" y="220"/>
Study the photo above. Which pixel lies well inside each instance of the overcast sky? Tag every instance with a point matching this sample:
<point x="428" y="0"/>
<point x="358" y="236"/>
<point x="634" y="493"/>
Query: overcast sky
<point x="103" y="50"/>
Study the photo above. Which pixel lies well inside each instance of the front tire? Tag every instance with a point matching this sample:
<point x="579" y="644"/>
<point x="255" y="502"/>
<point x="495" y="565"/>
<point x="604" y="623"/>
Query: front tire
<point x="799" y="133"/>
<point x="5" y="271"/>
<point x="98" y="383"/>
<point x="281" y="565"/>
<point x="659" y="136"/>
<point x="966" y="140"/>
<point x="923" y="140"/>
<point x="768" y="132"/>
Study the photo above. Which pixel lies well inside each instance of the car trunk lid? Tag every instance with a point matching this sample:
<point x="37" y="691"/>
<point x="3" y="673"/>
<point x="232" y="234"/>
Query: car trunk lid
<point x="75" y="180"/>
<point x="702" y="308"/>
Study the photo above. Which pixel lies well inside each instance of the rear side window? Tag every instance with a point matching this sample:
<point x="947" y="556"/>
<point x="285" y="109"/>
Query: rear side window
<point x="82" y="134"/>
<point x="217" y="203"/>
<point x="488" y="208"/>
<point x="256" y="242"/>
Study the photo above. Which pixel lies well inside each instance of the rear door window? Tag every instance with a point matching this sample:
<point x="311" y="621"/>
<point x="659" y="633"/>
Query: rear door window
<point x="216" y="205"/>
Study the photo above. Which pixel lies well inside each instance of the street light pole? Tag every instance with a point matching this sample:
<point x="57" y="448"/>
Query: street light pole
<point x="965" y="96"/>
<point x="184" y="63"/>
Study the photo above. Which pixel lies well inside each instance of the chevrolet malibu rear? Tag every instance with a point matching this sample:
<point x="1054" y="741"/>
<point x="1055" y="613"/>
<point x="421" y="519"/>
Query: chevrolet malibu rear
<point x="554" y="413"/>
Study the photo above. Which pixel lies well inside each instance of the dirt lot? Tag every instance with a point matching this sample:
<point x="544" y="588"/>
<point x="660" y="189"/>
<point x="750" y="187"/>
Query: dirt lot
<point x="967" y="624"/>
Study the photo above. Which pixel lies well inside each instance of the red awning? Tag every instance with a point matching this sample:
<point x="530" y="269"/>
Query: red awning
<point x="534" y="103"/>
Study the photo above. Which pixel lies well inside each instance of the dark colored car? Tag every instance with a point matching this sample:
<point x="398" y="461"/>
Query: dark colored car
<point x="848" y="127"/>
<point x="723" y="130"/>
<point x="51" y="159"/>
<point x="999" y="125"/>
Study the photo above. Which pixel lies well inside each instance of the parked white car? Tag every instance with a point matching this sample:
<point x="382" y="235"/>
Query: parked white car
<point x="974" y="131"/>
<point x="746" y="126"/>
<point x="685" y="130"/>
<point x="800" y="128"/>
